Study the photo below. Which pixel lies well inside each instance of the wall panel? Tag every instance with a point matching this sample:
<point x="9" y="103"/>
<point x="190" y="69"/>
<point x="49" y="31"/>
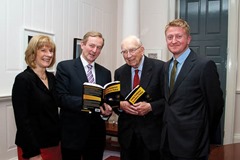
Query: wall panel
<point x="7" y="131"/>
<point x="65" y="20"/>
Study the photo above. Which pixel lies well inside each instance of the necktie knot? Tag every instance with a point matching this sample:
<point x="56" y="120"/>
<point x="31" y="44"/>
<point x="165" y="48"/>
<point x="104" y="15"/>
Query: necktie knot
<point x="136" y="71"/>
<point x="89" y="66"/>
<point x="175" y="63"/>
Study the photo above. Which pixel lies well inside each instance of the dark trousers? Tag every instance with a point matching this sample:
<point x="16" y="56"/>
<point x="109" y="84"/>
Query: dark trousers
<point x="92" y="150"/>
<point x="167" y="155"/>
<point x="95" y="143"/>
<point x="138" y="151"/>
<point x="69" y="154"/>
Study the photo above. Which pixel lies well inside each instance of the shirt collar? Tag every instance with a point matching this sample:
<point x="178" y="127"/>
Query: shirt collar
<point x="85" y="63"/>
<point x="183" y="56"/>
<point x="140" y="66"/>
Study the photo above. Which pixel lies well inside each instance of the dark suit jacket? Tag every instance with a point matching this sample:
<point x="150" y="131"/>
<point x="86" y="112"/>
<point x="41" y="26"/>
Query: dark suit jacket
<point x="194" y="108"/>
<point x="76" y="125"/>
<point x="36" y="113"/>
<point x="149" y="126"/>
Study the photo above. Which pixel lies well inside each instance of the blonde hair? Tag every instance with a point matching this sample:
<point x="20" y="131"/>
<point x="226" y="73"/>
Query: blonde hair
<point x="36" y="43"/>
<point x="179" y="23"/>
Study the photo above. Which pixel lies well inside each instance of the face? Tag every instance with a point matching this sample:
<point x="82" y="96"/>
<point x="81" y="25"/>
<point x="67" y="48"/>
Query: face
<point x="92" y="48"/>
<point x="132" y="53"/>
<point x="177" y="40"/>
<point x="44" y="57"/>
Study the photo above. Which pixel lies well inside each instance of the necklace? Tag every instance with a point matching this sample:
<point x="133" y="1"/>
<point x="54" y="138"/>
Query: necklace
<point x="41" y="74"/>
<point x="42" y="77"/>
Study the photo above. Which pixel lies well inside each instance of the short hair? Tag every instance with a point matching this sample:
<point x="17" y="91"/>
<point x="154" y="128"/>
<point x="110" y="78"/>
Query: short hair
<point x="36" y="43"/>
<point x="179" y="23"/>
<point x="132" y="38"/>
<point x="92" y="34"/>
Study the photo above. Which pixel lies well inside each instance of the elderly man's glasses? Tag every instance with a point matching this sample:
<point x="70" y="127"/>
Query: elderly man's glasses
<point x="130" y="51"/>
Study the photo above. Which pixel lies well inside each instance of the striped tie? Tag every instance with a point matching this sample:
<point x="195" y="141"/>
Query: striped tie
<point x="90" y="74"/>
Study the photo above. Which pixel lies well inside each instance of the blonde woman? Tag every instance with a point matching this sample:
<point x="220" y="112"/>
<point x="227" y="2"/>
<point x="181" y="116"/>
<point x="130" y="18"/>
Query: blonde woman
<point x="34" y="103"/>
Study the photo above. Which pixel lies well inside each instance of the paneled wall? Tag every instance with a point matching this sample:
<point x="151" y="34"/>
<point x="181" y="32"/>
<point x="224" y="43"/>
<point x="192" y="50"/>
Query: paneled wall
<point x="7" y="130"/>
<point x="61" y="19"/>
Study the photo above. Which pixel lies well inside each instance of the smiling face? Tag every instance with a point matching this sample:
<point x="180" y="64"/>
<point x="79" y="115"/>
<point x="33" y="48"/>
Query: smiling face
<point x="44" y="57"/>
<point x="177" y="40"/>
<point x="132" y="51"/>
<point x="41" y="52"/>
<point x="91" y="49"/>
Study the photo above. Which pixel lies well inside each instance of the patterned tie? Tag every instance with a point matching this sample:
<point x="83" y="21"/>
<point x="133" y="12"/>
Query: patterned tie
<point x="136" y="78"/>
<point x="90" y="74"/>
<point x="173" y="75"/>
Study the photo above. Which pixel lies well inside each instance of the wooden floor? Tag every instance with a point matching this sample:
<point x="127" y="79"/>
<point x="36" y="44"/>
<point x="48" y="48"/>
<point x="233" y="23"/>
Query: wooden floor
<point x="226" y="152"/>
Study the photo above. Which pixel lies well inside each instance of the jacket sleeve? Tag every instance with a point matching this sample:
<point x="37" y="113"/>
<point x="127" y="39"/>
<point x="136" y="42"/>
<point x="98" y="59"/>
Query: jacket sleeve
<point x="25" y="136"/>
<point x="213" y="95"/>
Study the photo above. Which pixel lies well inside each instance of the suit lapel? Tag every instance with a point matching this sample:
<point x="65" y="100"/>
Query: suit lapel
<point x="99" y="78"/>
<point x="186" y="68"/>
<point x="147" y="72"/>
<point x="167" y="78"/>
<point x="79" y="69"/>
<point x="126" y="80"/>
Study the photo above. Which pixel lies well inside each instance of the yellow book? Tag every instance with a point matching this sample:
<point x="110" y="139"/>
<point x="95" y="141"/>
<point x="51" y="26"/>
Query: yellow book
<point x="138" y="94"/>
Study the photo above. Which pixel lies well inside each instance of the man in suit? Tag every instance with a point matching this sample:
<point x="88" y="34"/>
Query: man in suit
<point x="195" y="103"/>
<point x="139" y="125"/>
<point x="82" y="133"/>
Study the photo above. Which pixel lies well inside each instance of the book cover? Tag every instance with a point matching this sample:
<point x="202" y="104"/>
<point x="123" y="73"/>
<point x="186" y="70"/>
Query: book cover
<point x="94" y="95"/>
<point x="138" y="94"/>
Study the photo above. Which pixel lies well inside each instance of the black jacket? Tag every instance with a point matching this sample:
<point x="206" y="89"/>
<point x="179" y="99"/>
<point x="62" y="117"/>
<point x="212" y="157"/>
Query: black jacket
<point x="149" y="126"/>
<point x="77" y="126"/>
<point x="36" y="113"/>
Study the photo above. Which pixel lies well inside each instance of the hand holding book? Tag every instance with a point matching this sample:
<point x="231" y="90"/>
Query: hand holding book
<point x="94" y="95"/>
<point x="138" y="94"/>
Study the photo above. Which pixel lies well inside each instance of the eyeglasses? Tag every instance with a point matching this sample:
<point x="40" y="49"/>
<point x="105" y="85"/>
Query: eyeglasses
<point x="130" y="51"/>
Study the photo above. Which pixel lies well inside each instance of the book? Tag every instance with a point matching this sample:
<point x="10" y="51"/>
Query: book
<point x="138" y="94"/>
<point x="94" y="95"/>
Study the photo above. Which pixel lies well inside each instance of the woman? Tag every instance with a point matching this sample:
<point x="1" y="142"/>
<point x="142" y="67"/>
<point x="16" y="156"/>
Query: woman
<point x="34" y="103"/>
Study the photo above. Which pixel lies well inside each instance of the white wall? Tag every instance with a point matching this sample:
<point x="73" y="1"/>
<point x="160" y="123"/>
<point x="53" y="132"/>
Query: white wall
<point x="61" y="19"/>
<point x="65" y="19"/>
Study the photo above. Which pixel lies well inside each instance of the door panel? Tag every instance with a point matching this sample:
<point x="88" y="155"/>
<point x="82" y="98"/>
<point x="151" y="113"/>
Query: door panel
<point x="208" y="22"/>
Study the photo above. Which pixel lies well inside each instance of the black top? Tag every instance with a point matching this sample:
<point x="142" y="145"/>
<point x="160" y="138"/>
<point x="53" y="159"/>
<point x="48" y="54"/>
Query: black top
<point x="36" y="112"/>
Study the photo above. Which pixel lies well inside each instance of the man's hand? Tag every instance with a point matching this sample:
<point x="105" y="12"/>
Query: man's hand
<point x="106" y="110"/>
<point x="143" y="108"/>
<point x="128" y="108"/>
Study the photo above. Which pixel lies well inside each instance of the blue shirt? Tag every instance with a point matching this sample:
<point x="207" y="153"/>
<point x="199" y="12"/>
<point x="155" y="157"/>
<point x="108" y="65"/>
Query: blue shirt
<point x="181" y="59"/>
